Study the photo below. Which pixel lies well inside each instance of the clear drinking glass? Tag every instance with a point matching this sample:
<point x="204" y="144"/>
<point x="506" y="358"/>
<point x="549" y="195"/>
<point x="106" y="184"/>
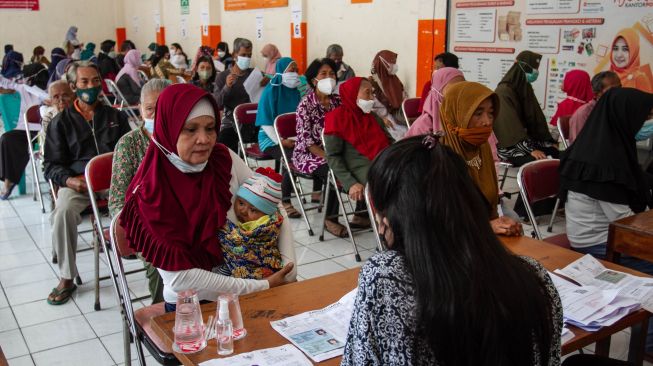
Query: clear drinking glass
<point x="236" y="316"/>
<point x="189" y="326"/>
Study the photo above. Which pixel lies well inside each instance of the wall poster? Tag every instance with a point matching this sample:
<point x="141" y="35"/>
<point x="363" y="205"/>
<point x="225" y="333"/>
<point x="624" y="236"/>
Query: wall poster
<point x="593" y="35"/>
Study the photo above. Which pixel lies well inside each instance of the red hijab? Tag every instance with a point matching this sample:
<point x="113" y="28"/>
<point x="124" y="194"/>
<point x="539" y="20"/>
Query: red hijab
<point x="392" y="86"/>
<point x="578" y="87"/>
<point x="173" y="218"/>
<point x="352" y="125"/>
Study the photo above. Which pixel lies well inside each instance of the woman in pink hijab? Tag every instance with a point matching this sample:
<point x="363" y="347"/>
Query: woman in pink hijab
<point x="271" y="54"/>
<point x="429" y="121"/>
<point x="128" y="80"/>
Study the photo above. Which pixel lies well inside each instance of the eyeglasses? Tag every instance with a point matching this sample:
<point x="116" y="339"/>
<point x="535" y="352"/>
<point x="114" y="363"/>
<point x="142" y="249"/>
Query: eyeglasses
<point x="64" y="98"/>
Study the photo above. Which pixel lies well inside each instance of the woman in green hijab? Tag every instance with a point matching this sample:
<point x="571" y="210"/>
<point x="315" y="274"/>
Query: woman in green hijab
<point x="521" y="127"/>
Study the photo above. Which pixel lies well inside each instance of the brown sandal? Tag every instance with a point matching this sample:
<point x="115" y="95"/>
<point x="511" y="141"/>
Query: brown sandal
<point x="336" y="229"/>
<point x="291" y="211"/>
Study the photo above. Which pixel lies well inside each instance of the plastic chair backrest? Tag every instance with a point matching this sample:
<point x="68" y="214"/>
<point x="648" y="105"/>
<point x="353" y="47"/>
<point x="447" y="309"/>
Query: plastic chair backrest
<point x="245" y="114"/>
<point x="539" y="180"/>
<point x="98" y="172"/>
<point x="411" y="107"/>
<point x="286" y="125"/>
<point x="33" y="115"/>
<point x="120" y="241"/>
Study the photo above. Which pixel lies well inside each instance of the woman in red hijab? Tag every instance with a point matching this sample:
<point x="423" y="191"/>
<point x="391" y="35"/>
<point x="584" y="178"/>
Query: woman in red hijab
<point x="578" y="87"/>
<point x="353" y="136"/>
<point x="389" y="92"/>
<point x="182" y="195"/>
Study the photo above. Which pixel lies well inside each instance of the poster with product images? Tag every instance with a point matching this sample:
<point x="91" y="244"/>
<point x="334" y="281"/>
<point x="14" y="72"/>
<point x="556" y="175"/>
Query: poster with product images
<point x="592" y="35"/>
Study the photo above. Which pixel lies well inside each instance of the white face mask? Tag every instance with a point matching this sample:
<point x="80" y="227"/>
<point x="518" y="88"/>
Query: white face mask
<point x="243" y="62"/>
<point x="290" y="79"/>
<point x="365" y="105"/>
<point x="180" y="164"/>
<point x="221" y="54"/>
<point x="326" y="86"/>
<point x="392" y="68"/>
<point x="265" y="59"/>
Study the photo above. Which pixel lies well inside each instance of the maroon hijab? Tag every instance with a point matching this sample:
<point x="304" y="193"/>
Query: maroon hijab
<point x="173" y="218"/>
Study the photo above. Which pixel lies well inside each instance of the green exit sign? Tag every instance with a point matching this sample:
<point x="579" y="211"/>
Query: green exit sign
<point x="185" y="7"/>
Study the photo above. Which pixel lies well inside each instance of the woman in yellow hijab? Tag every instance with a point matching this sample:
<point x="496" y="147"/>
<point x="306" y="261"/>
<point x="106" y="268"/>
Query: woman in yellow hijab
<point x="467" y="113"/>
<point x="625" y="61"/>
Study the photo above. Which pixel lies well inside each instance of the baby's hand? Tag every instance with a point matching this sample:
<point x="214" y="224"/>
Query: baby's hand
<point x="279" y="278"/>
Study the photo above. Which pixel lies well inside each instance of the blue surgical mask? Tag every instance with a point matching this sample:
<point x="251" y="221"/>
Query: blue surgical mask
<point x="243" y="62"/>
<point x="180" y="164"/>
<point x="530" y="76"/>
<point x="645" y="132"/>
<point x="148" y="125"/>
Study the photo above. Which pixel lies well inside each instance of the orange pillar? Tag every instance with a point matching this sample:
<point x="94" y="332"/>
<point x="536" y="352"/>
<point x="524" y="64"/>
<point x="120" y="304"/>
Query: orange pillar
<point x="161" y="36"/>
<point x="431" y="38"/>
<point x="213" y="38"/>
<point x="298" y="48"/>
<point x="121" y="36"/>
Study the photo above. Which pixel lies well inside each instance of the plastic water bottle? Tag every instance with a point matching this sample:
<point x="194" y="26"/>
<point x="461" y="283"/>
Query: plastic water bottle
<point x="225" y="330"/>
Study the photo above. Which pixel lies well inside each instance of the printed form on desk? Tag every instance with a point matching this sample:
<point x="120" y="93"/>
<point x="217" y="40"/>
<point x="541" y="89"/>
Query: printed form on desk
<point x="604" y="295"/>
<point x="321" y="334"/>
<point x="286" y="355"/>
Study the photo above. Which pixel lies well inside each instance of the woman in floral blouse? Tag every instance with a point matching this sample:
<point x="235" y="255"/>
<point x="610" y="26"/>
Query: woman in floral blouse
<point x="127" y="156"/>
<point x="446" y="292"/>
<point x="308" y="155"/>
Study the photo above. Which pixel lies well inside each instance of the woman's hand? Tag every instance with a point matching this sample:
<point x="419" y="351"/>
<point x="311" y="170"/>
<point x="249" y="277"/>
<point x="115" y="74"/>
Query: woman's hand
<point x="317" y="151"/>
<point x="506" y="226"/>
<point x="288" y="143"/>
<point x="538" y="155"/>
<point x="279" y="278"/>
<point x="356" y="192"/>
<point x="388" y="124"/>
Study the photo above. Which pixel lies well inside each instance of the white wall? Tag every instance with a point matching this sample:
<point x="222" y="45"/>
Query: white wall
<point x="48" y="26"/>
<point x="362" y="29"/>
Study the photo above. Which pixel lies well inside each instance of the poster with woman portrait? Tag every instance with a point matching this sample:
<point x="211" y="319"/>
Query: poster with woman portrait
<point x="591" y="35"/>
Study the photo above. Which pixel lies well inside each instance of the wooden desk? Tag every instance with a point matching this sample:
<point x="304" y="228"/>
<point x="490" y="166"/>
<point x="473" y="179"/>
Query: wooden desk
<point x="260" y="308"/>
<point x="632" y="236"/>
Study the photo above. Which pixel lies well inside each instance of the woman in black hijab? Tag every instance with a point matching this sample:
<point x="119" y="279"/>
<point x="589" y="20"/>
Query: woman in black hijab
<point x="600" y="175"/>
<point x="521" y="127"/>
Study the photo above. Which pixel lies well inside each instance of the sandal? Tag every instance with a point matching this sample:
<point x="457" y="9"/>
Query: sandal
<point x="292" y="212"/>
<point x="360" y="222"/>
<point x="5" y="196"/>
<point x="336" y="229"/>
<point x="64" y="294"/>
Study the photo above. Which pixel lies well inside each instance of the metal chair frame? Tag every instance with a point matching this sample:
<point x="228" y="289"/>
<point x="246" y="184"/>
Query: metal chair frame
<point x="34" y="156"/>
<point x="250" y="108"/>
<point x="294" y="174"/>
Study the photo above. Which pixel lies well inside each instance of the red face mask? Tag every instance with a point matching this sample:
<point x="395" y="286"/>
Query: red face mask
<point x="476" y="136"/>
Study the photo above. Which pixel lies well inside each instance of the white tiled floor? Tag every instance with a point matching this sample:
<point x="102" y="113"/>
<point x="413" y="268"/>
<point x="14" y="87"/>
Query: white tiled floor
<point x="35" y="333"/>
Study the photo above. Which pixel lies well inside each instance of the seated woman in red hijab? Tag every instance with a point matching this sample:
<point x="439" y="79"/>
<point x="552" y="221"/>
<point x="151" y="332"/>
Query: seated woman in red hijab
<point x="183" y="193"/>
<point x="353" y="136"/>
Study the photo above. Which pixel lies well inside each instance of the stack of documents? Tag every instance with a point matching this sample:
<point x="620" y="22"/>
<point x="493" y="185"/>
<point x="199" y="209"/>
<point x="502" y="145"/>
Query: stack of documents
<point x="320" y="334"/>
<point x="286" y="355"/>
<point x="603" y="297"/>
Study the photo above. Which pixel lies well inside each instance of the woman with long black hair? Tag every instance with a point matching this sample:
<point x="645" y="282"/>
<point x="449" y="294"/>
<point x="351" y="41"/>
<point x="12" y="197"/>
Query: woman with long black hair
<point x="447" y="291"/>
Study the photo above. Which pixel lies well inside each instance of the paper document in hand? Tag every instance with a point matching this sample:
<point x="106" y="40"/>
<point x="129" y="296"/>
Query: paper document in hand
<point x="252" y="85"/>
<point x="588" y="271"/>
<point x="286" y="355"/>
<point x="321" y="334"/>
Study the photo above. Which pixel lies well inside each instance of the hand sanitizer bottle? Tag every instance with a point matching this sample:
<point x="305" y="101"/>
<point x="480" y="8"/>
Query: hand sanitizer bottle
<point x="225" y="330"/>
